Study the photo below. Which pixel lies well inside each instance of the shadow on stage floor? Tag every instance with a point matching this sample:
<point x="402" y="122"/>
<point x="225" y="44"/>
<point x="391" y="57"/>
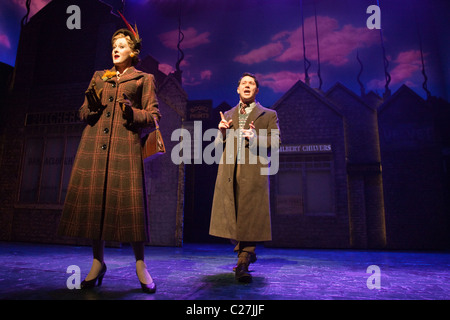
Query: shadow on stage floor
<point x="204" y="272"/>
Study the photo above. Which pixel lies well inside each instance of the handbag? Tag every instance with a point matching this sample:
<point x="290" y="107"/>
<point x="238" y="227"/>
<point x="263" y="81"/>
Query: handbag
<point x="153" y="144"/>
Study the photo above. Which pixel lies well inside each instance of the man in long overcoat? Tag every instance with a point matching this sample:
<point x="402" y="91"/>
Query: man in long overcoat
<point x="241" y="209"/>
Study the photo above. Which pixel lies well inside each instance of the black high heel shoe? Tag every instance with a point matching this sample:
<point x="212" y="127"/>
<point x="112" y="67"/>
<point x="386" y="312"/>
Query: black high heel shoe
<point x="148" y="288"/>
<point x="99" y="279"/>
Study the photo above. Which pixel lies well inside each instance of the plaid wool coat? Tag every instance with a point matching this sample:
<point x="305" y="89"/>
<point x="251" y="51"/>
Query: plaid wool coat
<point x="106" y="193"/>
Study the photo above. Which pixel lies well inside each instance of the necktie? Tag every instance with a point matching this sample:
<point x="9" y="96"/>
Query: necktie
<point x="242" y="110"/>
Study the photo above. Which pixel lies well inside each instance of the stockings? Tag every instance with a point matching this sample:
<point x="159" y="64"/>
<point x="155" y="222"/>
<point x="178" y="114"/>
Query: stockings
<point x="139" y="253"/>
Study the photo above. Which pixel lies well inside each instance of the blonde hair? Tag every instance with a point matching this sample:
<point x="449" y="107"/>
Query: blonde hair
<point x="131" y="44"/>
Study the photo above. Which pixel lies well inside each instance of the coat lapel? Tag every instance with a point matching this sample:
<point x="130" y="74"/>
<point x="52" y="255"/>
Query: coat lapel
<point x="108" y="76"/>
<point x="255" y="114"/>
<point x="235" y="117"/>
<point x="131" y="74"/>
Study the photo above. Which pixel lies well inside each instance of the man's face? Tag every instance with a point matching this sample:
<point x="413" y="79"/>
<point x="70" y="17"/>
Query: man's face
<point x="247" y="90"/>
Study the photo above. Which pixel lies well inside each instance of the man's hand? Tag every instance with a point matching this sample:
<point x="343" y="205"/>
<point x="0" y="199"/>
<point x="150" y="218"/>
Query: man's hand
<point x="94" y="98"/>
<point x="224" y="124"/>
<point x="249" y="133"/>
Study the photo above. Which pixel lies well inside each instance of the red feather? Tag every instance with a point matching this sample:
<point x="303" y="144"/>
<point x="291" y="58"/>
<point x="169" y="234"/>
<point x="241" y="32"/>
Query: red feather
<point x="128" y="26"/>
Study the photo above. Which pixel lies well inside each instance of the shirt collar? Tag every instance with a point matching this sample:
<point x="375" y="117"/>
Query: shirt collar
<point x="249" y="107"/>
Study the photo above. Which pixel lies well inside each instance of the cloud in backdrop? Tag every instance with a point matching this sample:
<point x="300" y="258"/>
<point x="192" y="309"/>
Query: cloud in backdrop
<point x="222" y="39"/>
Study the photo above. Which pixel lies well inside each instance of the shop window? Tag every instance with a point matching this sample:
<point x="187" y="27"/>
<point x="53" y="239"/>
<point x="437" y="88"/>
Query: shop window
<point x="47" y="165"/>
<point x="318" y="192"/>
<point x="304" y="186"/>
<point x="290" y="192"/>
<point x="31" y="172"/>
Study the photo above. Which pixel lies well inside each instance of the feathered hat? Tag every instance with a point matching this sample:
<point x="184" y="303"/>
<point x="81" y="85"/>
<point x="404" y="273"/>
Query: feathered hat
<point x="129" y="31"/>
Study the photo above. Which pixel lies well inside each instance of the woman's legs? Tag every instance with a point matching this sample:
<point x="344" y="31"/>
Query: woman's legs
<point x="141" y="268"/>
<point x="97" y="264"/>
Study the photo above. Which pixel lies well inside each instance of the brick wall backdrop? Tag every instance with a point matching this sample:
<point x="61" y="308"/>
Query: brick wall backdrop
<point x="53" y="68"/>
<point x="387" y="165"/>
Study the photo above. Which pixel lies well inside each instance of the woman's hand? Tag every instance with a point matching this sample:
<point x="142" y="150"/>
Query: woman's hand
<point x="127" y="110"/>
<point x="94" y="98"/>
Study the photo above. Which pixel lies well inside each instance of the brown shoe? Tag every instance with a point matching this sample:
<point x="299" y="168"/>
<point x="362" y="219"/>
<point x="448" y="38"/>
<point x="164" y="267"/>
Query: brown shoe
<point x="241" y="272"/>
<point x="252" y="260"/>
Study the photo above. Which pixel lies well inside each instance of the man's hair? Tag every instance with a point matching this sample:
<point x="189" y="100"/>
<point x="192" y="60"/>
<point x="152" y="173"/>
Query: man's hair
<point x="245" y="74"/>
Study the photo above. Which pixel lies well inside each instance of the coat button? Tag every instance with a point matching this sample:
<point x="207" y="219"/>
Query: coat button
<point x="104" y="147"/>
<point x="111" y="99"/>
<point x="113" y="85"/>
<point x="106" y="130"/>
<point x="108" y="114"/>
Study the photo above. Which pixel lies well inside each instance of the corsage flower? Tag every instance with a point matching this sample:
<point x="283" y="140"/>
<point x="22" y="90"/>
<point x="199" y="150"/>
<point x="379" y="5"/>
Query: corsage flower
<point x="108" y="75"/>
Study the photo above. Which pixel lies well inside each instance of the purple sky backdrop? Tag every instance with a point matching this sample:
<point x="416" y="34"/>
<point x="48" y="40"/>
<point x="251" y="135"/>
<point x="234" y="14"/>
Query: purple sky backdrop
<point x="225" y="38"/>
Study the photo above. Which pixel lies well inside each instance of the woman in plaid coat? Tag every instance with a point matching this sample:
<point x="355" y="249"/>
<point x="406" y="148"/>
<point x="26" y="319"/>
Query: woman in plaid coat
<point x="106" y="197"/>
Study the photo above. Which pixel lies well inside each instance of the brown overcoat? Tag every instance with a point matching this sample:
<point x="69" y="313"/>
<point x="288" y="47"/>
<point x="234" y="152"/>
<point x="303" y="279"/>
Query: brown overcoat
<point x="106" y="192"/>
<point x="244" y="214"/>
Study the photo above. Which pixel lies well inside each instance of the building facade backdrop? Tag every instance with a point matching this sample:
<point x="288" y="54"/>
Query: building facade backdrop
<point x="356" y="171"/>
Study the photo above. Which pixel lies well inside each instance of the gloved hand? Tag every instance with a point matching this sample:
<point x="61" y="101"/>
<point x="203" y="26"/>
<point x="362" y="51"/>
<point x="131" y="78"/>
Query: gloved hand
<point x="127" y="110"/>
<point x="94" y="98"/>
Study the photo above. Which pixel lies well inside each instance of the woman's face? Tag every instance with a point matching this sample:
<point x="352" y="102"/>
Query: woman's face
<point x="121" y="52"/>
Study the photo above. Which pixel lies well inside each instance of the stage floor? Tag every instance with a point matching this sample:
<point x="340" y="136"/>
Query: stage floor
<point x="204" y="272"/>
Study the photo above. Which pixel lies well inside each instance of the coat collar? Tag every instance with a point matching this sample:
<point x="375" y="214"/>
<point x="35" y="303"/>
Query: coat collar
<point x="257" y="111"/>
<point x="130" y="74"/>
